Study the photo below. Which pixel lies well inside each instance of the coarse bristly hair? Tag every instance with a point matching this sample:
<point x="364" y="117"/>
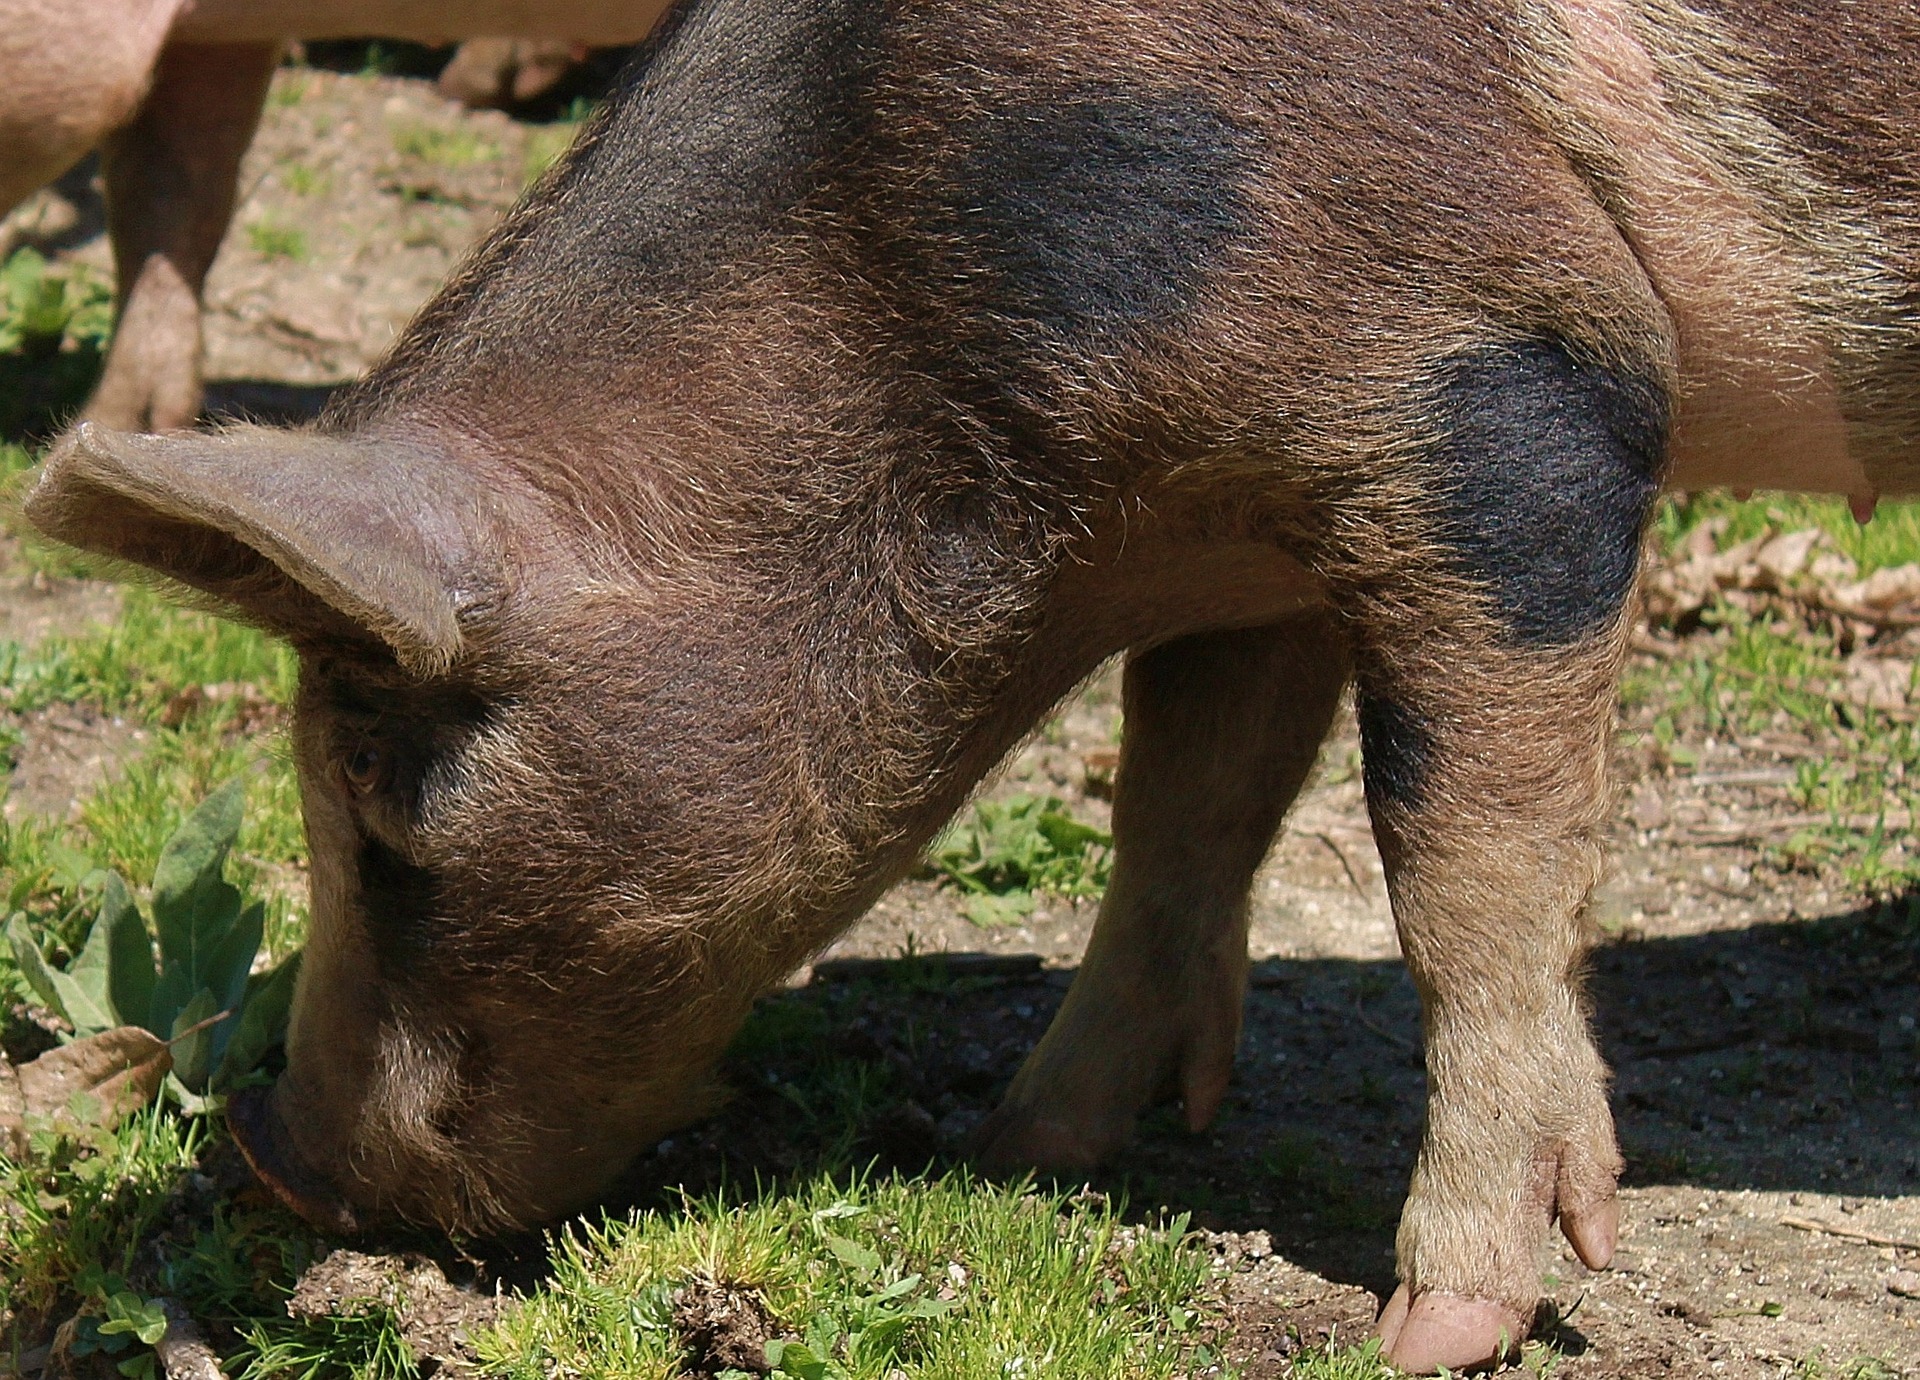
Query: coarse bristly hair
<point x="869" y="371"/>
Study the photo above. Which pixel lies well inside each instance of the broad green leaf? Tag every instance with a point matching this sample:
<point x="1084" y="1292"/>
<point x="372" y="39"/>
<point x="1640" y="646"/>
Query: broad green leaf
<point x="72" y="869"/>
<point x="128" y="1312"/>
<point x="228" y="971"/>
<point x="118" y="939"/>
<point x="187" y="963"/>
<point x="130" y="972"/>
<point x="233" y="960"/>
<point x="838" y="1210"/>
<point x="822" y="1332"/>
<point x="194" y="908"/>
<point x="33" y="966"/>
<point x="191" y="1052"/>
<point x="57" y="989"/>
<point x="1067" y="834"/>
<point x="856" y="1257"/>
<point x="796" y="1358"/>
<point x="895" y="1290"/>
<point x="991" y="912"/>
<point x="262" y="1022"/>
<point x="88" y="1016"/>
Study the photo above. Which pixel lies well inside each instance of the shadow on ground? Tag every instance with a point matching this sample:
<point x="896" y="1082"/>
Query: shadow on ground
<point x="1773" y="1057"/>
<point x="266" y="401"/>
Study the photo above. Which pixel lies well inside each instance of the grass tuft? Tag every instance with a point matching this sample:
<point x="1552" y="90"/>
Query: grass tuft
<point x="946" y="1276"/>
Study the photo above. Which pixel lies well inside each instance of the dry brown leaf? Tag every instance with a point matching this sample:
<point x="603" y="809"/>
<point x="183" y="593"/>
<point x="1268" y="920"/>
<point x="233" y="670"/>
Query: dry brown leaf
<point x="1882" y="590"/>
<point x="120" y="1069"/>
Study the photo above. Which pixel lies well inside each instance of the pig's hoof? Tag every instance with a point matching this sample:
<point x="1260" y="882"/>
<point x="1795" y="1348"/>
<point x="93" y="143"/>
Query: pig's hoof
<point x="1439" y="1330"/>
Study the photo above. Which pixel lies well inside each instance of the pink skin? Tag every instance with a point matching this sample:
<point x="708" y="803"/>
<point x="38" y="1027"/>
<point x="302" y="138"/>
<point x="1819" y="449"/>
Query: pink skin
<point x="1425" y="1332"/>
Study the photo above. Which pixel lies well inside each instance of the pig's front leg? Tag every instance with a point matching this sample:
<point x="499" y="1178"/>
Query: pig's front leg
<point x="170" y="178"/>
<point x="1221" y="731"/>
<point x="1487" y="680"/>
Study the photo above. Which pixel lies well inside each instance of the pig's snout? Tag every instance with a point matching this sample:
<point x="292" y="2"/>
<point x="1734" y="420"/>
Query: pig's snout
<point x="259" y="1129"/>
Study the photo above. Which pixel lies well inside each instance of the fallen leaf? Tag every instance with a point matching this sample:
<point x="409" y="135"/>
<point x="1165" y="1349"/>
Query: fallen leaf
<point x="120" y="1070"/>
<point x="1883" y="590"/>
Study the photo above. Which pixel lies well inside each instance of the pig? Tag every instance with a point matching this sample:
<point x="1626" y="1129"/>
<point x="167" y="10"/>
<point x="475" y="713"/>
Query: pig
<point x="867" y="374"/>
<point x="170" y="91"/>
<point x="498" y="73"/>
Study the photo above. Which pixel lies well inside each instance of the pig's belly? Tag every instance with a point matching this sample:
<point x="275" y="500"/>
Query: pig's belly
<point x="1758" y="405"/>
<point x="428" y="21"/>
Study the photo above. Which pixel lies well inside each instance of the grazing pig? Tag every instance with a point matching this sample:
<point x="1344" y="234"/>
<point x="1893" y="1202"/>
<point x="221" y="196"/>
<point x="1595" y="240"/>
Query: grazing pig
<point x="171" y="91"/>
<point x="870" y="371"/>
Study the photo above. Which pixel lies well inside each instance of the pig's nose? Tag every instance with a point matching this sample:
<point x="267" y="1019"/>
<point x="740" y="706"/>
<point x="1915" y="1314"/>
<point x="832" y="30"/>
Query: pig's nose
<point x="254" y="1115"/>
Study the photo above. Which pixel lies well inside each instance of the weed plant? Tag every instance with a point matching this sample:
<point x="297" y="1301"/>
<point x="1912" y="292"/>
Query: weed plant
<point x="1003" y="852"/>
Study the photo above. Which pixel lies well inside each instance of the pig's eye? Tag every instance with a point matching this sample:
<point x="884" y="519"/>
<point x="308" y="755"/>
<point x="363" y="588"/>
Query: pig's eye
<point x="366" y="769"/>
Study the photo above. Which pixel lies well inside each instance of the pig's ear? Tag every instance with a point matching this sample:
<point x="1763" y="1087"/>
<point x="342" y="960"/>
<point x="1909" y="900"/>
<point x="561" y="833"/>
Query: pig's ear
<point x="307" y="534"/>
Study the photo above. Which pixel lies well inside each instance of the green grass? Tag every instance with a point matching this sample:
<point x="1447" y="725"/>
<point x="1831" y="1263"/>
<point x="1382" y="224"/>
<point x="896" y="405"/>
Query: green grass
<point x="1002" y="853"/>
<point x="78" y="1212"/>
<point x="275" y="241"/>
<point x="303" y="180"/>
<point x="138" y="669"/>
<point x="945" y="1277"/>
<point x="54" y="326"/>
<point x="1892" y="538"/>
<point x="545" y="144"/>
<point x="445" y="148"/>
<point x="288" y="90"/>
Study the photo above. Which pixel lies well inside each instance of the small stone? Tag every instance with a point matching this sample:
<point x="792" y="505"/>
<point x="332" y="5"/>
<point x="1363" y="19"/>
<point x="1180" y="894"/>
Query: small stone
<point x="1649" y="808"/>
<point x="1905" y="1283"/>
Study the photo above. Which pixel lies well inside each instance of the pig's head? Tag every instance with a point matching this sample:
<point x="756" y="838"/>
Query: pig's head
<point x="528" y="791"/>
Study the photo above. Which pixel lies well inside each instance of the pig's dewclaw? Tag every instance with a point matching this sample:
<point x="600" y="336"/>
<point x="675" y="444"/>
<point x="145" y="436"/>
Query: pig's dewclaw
<point x="1435" y="1330"/>
<point x="1593" y="1232"/>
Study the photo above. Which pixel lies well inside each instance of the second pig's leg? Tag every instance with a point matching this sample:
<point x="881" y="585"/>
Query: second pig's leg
<point x="171" y="181"/>
<point x="1221" y="732"/>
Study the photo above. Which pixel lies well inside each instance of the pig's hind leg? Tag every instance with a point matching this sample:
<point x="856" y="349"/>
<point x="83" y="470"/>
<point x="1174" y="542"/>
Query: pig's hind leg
<point x="1221" y="732"/>
<point x="171" y="178"/>
<point x="1487" y="673"/>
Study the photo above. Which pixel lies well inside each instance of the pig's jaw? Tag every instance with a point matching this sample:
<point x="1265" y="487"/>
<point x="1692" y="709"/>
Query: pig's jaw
<point x="261" y="1132"/>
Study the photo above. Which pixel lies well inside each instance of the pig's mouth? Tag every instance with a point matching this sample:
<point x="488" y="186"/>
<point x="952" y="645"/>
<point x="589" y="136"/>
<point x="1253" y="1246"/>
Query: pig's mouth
<point x="254" y="1118"/>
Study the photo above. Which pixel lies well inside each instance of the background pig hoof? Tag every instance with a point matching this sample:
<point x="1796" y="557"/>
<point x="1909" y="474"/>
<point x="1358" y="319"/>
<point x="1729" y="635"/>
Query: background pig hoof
<point x="1437" y="1330"/>
<point x="1014" y="1140"/>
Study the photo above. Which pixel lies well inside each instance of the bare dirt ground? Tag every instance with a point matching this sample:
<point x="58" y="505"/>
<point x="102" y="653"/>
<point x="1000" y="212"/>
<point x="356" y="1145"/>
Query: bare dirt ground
<point x="1762" y="1026"/>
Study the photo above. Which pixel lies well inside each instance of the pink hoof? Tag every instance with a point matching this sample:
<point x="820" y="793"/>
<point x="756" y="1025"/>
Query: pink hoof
<point x="1436" y="1330"/>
